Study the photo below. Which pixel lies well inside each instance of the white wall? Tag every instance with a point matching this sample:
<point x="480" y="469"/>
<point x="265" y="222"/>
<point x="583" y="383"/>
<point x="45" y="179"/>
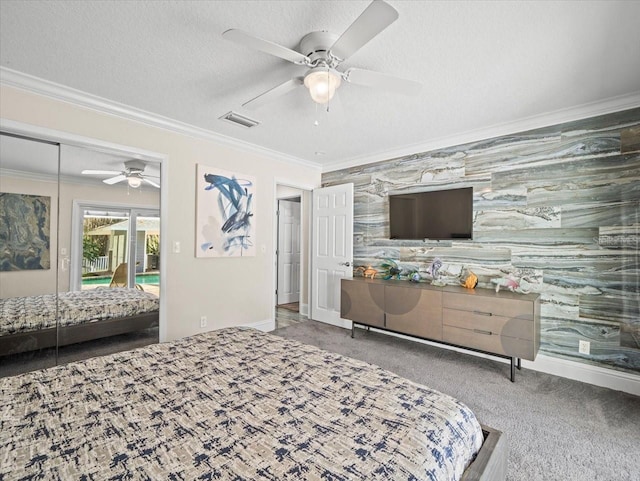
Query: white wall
<point x="229" y="291"/>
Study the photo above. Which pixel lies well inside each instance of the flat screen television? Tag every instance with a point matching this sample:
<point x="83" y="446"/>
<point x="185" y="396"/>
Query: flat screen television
<point x="436" y="215"/>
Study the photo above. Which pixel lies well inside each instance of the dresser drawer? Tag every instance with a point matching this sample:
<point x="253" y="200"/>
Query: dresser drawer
<point x="507" y="346"/>
<point x="505" y="326"/>
<point x="488" y="305"/>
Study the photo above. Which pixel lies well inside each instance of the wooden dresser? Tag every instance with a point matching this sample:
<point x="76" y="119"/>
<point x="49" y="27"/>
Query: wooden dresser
<point x="504" y="324"/>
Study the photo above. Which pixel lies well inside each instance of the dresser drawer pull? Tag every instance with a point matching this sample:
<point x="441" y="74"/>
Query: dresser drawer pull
<point x="480" y="313"/>
<point x="480" y="331"/>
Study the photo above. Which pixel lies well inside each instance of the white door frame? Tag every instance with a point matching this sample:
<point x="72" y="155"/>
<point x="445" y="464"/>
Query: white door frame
<point x="305" y="213"/>
<point x="67" y="138"/>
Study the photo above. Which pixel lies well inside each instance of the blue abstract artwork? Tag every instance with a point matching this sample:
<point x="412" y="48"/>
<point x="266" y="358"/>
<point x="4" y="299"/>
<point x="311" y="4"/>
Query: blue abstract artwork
<point x="225" y="213"/>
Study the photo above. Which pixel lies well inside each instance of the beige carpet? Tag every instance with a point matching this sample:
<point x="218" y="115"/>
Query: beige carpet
<point x="557" y="429"/>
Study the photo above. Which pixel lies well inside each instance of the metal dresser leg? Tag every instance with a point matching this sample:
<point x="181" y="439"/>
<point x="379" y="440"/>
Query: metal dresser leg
<point x="513" y="369"/>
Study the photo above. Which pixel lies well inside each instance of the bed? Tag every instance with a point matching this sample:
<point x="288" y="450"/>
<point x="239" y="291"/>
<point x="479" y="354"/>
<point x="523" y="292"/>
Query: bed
<point x="237" y="404"/>
<point x="29" y="323"/>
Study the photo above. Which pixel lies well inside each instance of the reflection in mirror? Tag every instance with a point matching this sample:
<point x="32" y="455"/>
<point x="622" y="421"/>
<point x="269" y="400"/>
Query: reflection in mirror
<point x="109" y="225"/>
<point x="28" y="259"/>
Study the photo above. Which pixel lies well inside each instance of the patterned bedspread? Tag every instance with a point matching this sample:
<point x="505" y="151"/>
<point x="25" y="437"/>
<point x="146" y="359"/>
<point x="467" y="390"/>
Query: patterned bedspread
<point x="235" y="404"/>
<point x="23" y="314"/>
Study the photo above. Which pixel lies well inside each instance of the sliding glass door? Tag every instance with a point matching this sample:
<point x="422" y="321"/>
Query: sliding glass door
<point x="119" y="248"/>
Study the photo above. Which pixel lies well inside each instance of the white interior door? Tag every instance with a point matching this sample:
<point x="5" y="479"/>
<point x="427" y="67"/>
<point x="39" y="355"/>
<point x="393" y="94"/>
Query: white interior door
<point x="332" y="250"/>
<point x="288" y="251"/>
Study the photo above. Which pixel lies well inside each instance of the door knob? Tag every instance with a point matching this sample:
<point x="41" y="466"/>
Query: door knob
<point x="347" y="264"/>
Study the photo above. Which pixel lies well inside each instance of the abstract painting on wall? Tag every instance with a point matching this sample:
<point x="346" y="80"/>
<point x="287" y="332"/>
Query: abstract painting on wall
<point x="224" y="213"/>
<point x="25" y="223"/>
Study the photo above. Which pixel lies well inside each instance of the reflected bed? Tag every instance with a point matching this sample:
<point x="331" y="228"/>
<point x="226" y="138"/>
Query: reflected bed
<point x="29" y="323"/>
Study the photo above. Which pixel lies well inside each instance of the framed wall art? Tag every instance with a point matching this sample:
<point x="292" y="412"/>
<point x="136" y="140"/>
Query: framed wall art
<point x="225" y="206"/>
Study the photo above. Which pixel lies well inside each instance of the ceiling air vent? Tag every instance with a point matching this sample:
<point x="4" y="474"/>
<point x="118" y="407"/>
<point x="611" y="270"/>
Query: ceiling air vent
<point x="238" y="119"/>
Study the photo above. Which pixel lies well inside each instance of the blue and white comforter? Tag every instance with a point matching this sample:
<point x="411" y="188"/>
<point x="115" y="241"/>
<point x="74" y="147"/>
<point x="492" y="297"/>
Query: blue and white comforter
<point x="234" y="404"/>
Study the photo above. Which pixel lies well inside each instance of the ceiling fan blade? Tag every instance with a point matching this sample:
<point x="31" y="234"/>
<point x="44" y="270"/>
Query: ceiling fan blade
<point x="115" y="180"/>
<point x="251" y="41"/>
<point x="273" y="93"/>
<point x="370" y="78"/>
<point x="150" y="182"/>
<point x="375" y="18"/>
<point x="100" y="172"/>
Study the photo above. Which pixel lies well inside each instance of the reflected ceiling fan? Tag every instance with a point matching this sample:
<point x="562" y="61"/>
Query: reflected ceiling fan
<point x="133" y="173"/>
<point x="323" y="52"/>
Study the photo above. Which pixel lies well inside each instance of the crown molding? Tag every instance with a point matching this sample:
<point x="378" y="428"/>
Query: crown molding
<point x="21" y="174"/>
<point x="594" y="109"/>
<point x="30" y="83"/>
<point x="46" y="88"/>
<point x="55" y="179"/>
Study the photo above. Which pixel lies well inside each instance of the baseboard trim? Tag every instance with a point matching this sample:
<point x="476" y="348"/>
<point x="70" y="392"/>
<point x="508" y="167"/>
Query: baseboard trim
<point x="304" y="309"/>
<point x="598" y="376"/>
<point x="343" y="323"/>
<point x="267" y="325"/>
<point x="577" y="371"/>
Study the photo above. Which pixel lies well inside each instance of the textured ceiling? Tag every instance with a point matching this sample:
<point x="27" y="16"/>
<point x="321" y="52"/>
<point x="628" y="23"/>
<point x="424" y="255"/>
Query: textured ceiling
<point x="482" y="64"/>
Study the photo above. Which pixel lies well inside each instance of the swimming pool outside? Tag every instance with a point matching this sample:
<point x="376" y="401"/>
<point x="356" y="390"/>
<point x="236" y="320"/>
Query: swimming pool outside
<point x="153" y="278"/>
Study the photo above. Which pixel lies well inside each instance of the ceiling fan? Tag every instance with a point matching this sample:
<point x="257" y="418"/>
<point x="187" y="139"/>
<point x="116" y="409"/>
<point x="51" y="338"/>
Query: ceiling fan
<point x="323" y="52"/>
<point x="132" y="173"/>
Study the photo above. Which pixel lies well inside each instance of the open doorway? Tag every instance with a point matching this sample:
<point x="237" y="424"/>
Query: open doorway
<point x="291" y="255"/>
<point x="288" y="254"/>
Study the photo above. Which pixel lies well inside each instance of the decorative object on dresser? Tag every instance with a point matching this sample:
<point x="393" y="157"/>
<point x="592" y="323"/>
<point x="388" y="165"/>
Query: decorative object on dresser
<point x="468" y="279"/>
<point x="503" y="324"/>
<point x="511" y="283"/>
<point x="368" y="271"/>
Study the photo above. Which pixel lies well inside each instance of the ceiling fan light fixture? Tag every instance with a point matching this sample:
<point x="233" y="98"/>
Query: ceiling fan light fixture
<point x="322" y="83"/>
<point x="134" y="181"/>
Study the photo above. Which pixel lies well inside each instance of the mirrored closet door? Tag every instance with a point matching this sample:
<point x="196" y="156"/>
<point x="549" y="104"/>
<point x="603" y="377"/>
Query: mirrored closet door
<point x="79" y="251"/>
<point x="109" y="224"/>
<point x="28" y="254"/>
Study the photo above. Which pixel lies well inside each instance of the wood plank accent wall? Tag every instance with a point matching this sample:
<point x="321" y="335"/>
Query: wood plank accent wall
<point x="558" y="207"/>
